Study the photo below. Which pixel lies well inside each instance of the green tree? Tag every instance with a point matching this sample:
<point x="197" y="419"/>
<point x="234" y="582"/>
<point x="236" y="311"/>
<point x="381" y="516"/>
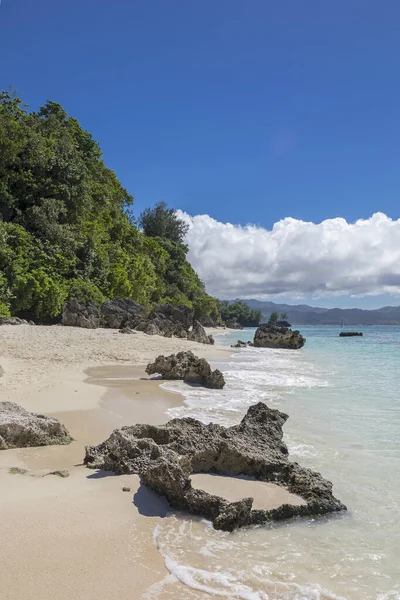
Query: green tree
<point x="273" y="319"/>
<point x="163" y="222"/>
<point x="66" y="225"/>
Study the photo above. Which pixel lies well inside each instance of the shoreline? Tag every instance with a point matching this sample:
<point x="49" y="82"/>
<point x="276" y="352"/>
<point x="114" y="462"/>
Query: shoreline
<point x="93" y="539"/>
<point x="81" y="536"/>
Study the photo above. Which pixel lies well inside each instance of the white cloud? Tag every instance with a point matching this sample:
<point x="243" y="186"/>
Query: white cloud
<point x="296" y="257"/>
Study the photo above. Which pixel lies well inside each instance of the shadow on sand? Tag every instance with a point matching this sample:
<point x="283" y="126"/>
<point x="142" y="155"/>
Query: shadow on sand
<point x="149" y="504"/>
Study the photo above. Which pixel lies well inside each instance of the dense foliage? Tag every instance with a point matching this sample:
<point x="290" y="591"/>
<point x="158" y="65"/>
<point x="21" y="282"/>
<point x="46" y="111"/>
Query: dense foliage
<point x="162" y="222"/>
<point x="65" y="225"/>
<point x="239" y="312"/>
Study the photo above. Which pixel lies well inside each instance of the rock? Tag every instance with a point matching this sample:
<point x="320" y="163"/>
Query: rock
<point x="167" y="320"/>
<point x="233" y="325"/>
<point x="120" y="313"/>
<point x="239" y="344"/>
<point x="12" y="321"/>
<point x="187" y="366"/>
<point x="127" y="330"/>
<point x="207" y="321"/>
<point x="63" y="473"/>
<point x="271" y="336"/>
<point x="1" y="371"/>
<point x="181" y="314"/>
<point x="17" y="471"/>
<point x="211" y="340"/>
<point x="20" y="428"/>
<point x="80" y="314"/>
<point x="126" y="489"/>
<point x="164" y="456"/>
<point x="283" y="324"/>
<point x="350" y="333"/>
<point x="198" y="334"/>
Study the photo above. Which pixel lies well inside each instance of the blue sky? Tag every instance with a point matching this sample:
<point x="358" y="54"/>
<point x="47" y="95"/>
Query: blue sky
<point x="246" y="111"/>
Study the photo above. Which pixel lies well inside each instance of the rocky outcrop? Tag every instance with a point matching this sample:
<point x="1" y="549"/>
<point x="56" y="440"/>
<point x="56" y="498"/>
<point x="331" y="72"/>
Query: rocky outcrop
<point x="121" y="312"/>
<point x="271" y="336"/>
<point x="80" y="314"/>
<point x="180" y="314"/>
<point x="350" y="333"/>
<point x="165" y="456"/>
<point x="198" y="334"/>
<point x="168" y="320"/>
<point x="207" y="321"/>
<point x="241" y="344"/>
<point x="187" y="366"/>
<point x="14" y="321"/>
<point x="283" y="323"/>
<point x="20" y="428"/>
<point x="233" y="325"/>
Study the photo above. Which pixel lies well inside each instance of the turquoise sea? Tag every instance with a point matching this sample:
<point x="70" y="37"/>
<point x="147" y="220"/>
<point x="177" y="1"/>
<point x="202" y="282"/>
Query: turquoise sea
<point x="343" y="401"/>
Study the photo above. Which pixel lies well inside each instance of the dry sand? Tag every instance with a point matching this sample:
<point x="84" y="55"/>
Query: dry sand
<point x="81" y="537"/>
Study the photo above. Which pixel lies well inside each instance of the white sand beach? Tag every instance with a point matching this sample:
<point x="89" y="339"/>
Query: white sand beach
<point x="82" y="537"/>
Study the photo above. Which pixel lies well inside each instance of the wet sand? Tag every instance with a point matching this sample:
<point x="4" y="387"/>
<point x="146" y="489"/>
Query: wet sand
<point x="82" y="537"/>
<point x="266" y="495"/>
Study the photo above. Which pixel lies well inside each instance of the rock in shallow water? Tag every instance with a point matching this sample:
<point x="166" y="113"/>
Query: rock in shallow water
<point x="187" y="366"/>
<point x="20" y="428"/>
<point x="271" y="336"/>
<point x="165" y="456"/>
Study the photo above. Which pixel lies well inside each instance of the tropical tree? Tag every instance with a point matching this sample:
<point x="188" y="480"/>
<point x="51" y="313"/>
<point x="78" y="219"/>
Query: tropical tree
<point x="273" y="319"/>
<point x="163" y="222"/>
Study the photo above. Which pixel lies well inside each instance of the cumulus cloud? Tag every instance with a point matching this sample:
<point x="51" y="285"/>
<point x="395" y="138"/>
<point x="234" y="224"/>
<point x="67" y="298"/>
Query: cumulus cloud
<point x="296" y="257"/>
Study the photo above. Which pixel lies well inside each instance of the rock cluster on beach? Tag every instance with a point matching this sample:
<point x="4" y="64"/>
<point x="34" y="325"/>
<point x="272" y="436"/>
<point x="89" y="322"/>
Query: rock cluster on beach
<point x="14" y="321"/>
<point x="272" y="336"/>
<point x="188" y="367"/>
<point x="125" y="314"/>
<point x="80" y="314"/>
<point x="121" y="313"/>
<point x="20" y="428"/>
<point x="165" y="456"/>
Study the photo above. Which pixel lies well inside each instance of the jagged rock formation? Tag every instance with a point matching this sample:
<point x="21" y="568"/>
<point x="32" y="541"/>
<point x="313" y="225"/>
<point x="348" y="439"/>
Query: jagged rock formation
<point x="271" y="336"/>
<point x="350" y="333"/>
<point x="121" y="312"/>
<point x="283" y="323"/>
<point x="168" y="320"/>
<point x="241" y="344"/>
<point x="207" y="321"/>
<point x="14" y="321"/>
<point x="20" y="428"/>
<point x="80" y="314"/>
<point x="165" y="456"/>
<point x="187" y="366"/>
<point x="198" y="334"/>
<point x="127" y="330"/>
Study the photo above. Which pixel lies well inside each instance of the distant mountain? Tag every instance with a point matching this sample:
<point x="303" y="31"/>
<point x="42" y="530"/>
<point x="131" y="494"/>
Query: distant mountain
<point x="302" y="314"/>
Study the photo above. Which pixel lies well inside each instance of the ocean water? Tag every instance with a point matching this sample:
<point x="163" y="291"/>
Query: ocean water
<point x="343" y="401"/>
